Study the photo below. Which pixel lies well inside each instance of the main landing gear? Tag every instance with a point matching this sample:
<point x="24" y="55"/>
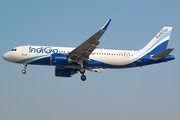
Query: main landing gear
<point x="82" y="71"/>
<point x="24" y="71"/>
<point x="83" y="77"/>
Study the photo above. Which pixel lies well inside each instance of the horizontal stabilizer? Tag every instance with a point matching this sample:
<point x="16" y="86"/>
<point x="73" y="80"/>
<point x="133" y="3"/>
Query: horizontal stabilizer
<point x="162" y="54"/>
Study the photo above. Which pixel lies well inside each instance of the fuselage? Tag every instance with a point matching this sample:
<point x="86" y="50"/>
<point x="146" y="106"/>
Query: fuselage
<point x="99" y="58"/>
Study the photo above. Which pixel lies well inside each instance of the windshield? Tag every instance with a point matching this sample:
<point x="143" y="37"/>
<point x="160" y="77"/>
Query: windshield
<point x="13" y="50"/>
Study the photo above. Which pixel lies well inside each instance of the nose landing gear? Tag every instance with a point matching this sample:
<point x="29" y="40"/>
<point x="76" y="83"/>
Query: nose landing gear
<point x="24" y="71"/>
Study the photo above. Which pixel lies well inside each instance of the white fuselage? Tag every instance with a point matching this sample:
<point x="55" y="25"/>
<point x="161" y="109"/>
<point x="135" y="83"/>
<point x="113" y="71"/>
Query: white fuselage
<point x="21" y="54"/>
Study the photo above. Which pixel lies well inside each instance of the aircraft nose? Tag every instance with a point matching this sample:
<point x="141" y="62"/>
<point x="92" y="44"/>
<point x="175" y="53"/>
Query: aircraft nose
<point x="7" y="57"/>
<point x="4" y="56"/>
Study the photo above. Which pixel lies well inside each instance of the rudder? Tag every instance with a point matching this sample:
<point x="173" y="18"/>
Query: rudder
<point x="159" y="42"/>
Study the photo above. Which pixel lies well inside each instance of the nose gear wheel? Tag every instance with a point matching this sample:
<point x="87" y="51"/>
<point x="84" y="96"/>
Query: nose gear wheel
<point x="24" y="71"/>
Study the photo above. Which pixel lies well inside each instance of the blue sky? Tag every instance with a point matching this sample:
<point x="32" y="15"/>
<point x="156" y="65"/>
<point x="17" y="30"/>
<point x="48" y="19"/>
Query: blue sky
<point x="150" y="92"/>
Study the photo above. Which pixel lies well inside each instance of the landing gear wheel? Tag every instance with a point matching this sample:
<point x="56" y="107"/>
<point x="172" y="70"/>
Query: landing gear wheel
<point x="82" y="70"/>
<point x="83" y="77"/>
<point x="24" y="71"/>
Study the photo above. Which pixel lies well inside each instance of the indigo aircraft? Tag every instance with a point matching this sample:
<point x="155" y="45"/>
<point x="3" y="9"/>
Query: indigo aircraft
<point x="68" y="61"/>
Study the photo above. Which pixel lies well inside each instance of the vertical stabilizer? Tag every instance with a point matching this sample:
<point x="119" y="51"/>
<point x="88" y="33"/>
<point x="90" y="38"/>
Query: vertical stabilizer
<point x="159" y="42"/>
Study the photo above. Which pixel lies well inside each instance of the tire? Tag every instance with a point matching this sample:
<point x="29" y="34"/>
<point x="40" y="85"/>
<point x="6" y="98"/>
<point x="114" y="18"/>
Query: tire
<point x="24" y="71"/>
<point x="82" y="70"/>
<point x="83" y="77"/>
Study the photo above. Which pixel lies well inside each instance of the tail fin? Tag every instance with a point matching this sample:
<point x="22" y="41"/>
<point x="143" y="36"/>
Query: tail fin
<point x="159" y="42"/>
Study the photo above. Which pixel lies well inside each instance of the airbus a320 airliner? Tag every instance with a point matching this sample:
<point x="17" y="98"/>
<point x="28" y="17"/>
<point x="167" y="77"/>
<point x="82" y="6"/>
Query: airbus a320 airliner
<point x="68" y="61"/>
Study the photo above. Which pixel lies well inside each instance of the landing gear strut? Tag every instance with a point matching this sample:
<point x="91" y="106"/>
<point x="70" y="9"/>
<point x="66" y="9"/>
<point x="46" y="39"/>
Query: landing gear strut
<point x="82" y="71"/>
<point x="24" y="71"/>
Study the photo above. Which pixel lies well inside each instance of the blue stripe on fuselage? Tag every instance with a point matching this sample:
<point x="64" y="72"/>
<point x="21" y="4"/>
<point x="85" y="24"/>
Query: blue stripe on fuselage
<point x="42" y="61"/>
<point x="31" y="58"/>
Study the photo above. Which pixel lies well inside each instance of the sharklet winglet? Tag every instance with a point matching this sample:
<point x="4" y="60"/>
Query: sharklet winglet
<point x="106" y="25"/>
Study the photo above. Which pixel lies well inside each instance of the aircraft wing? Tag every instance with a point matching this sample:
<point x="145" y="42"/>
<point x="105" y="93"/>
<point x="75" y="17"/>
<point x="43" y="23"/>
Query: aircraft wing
<point x="83" y="51"/>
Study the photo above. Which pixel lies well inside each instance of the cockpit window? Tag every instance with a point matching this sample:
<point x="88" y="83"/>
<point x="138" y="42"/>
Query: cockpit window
<point x="13" y="50"/>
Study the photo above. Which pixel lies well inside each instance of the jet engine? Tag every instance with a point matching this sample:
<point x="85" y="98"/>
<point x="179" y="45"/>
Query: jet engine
<point x="64" y="72"/>
<point x="60" y="59"/>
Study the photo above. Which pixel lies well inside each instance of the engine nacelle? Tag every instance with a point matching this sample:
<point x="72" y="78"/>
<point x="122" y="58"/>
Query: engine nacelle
<point x="64" y="72"/>
<point x="60" y="59"/>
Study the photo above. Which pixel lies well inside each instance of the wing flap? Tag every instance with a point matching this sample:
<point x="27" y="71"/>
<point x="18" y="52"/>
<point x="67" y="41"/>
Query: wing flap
<point x="97" y="70"/>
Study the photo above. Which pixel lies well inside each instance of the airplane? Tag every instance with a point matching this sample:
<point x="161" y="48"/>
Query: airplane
<point x="87" y="56"/>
